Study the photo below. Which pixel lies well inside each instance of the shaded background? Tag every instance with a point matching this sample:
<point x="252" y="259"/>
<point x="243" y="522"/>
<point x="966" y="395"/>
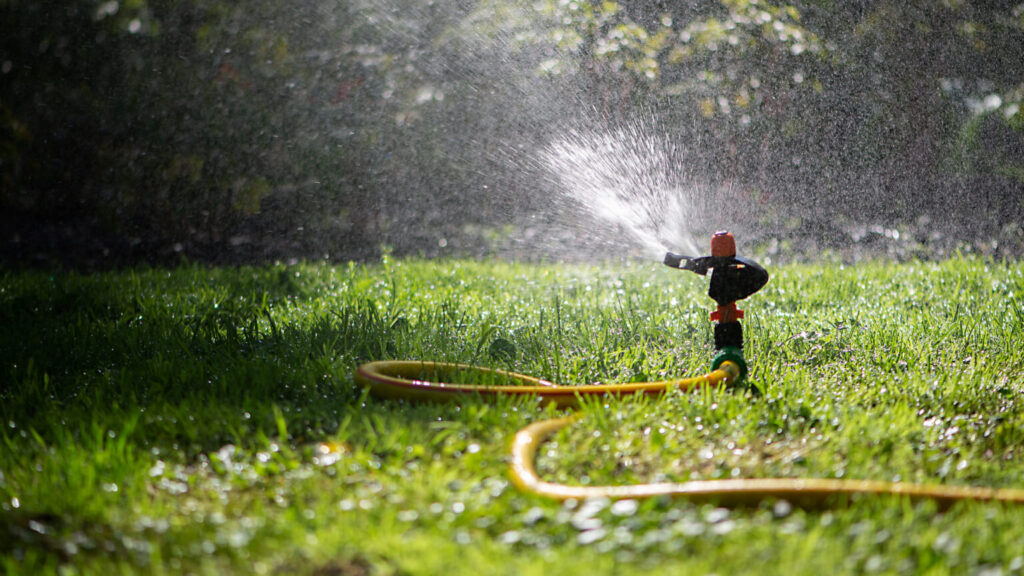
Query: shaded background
<point x="157" y="130"/>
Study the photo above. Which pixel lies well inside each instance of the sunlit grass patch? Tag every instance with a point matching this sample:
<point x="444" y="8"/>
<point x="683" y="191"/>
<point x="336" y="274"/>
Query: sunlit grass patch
<point x="206" y="420"/>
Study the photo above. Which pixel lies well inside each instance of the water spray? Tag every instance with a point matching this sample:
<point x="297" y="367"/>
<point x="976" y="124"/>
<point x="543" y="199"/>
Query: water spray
<point x="732" y="279"/>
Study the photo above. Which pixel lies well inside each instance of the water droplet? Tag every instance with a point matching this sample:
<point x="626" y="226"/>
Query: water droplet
<point x="624" y="508"/>
<point x="585" y="524"/>
<point x="37" y="527"/>
<point x="716" y="515"/>
<point x="590" y="536"/>
<point x="781" y="509"/>
<point x="533" y="515"/>
<point x="723" y="527"/>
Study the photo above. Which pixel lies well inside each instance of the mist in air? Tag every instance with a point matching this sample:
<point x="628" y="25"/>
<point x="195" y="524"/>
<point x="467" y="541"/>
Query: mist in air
<point x="155" y="132"/>
<point x="626" y="179"/>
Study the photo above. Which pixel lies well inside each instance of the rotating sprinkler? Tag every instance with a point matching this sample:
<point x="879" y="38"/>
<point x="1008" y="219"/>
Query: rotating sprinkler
<point x="732" y="279"/>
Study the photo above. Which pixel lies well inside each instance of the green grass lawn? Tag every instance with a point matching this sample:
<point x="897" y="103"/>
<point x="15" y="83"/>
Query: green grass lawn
<point x="205" y="421"/>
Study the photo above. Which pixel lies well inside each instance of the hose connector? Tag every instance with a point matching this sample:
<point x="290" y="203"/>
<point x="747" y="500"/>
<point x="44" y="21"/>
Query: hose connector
<point x="734" y="355"/>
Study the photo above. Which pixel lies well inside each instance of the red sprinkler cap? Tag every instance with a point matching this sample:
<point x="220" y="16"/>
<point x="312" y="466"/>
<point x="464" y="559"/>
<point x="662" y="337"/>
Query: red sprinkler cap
<point x="723" y="245"/>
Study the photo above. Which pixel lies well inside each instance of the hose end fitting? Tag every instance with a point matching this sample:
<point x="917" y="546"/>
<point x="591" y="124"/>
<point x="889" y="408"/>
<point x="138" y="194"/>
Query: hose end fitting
<point x="734" y="355"/>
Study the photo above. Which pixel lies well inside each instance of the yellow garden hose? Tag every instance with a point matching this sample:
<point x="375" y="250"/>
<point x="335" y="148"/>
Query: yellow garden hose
<point x="427" y="381"/>
<point x="811" y="492"/>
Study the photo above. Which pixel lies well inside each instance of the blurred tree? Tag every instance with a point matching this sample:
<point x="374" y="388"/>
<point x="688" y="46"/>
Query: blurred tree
<point x="184" y="126"/>
<point x="841" y="110"/>
<point x="152" y="128"/>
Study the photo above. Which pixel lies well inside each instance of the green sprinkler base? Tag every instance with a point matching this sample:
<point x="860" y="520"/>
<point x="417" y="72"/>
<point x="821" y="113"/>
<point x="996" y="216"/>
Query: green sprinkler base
<point x="731" y="354"/>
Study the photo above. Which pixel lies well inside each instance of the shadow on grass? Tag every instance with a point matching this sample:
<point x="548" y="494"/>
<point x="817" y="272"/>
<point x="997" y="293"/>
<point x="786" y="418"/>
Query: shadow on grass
<point x="195" y="362"/>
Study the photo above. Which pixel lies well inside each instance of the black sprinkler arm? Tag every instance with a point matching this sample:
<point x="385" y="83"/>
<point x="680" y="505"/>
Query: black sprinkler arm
<point x="733" y="277"/>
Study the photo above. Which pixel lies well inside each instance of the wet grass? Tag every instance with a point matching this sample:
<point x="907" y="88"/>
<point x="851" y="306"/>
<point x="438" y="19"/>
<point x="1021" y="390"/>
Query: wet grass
<point x="205" y="420"/>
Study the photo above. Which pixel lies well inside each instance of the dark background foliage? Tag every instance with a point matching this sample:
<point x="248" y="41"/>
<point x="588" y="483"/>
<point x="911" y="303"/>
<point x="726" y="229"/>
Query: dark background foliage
<point x="151" y="130"/>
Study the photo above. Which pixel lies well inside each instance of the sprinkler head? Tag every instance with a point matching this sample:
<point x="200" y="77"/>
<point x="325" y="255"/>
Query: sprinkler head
<point x="732" y="277"/>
